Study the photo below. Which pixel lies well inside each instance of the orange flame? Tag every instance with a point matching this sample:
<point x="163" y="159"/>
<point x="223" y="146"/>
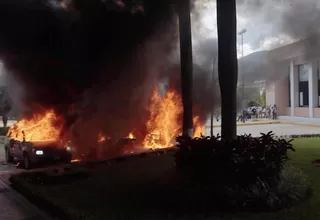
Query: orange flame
<point x="101" y="138"/>
<point x="40" y="127"/>
<point x="163" y="125"/>
<point x="199" y="128"/>
<point x="131" y="136"/>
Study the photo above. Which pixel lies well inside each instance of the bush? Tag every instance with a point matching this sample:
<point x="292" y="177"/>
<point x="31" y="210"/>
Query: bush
<point x="293" y="186"/>
<point x="240" y="162"/>
<point x="245" y="174"/>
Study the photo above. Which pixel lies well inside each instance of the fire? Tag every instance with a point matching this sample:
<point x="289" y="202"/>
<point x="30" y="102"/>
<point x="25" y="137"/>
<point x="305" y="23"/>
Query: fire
<point x="163" y="125"/>
<point x="199" y="128"/>
<point x="40" y="127"/>
<point x="131" y="136"/>
<point x="101" y="138"/>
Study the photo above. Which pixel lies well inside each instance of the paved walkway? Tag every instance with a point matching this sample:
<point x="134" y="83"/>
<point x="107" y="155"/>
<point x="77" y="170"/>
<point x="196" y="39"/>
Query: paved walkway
<point x="14" y="206"/>
<point x="278" y="129"/>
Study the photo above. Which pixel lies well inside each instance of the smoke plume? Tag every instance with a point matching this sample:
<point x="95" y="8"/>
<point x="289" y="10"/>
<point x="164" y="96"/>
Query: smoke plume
<point x="94" y="62"/>
<point x="100" y="59"/>
<point x="291" y="19"/>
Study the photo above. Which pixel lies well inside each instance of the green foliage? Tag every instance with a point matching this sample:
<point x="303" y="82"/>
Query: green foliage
<point x="261" y="99"/>
<point x="241" y="161"/>
<point x="293" y="185"/>
<point x="245" y="174"/>
<point x="292" y="188"/>
<point x="258" y="100"/>
<point x="252" y="103"/>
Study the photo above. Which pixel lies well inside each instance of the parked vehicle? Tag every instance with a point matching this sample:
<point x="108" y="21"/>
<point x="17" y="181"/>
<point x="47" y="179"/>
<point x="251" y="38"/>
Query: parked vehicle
<point x="30" y="154"/>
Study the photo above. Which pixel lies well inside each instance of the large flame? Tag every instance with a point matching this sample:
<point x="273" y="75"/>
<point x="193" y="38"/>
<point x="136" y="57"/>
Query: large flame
<point x="163" y="125"/>
<point x="40" y="127"/>
<point x="199" y="128"/>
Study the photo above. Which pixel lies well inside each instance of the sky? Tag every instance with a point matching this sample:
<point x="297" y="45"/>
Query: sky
<point x="269" y="23"/>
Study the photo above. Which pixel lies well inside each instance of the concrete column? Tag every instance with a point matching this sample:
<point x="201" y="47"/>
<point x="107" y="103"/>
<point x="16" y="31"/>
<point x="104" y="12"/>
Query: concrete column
<point x="315" y="84"/>
<point x="311" y="88"/>
<point x="292" y="88"/>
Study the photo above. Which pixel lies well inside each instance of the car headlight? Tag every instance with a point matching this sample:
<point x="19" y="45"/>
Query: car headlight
<point x="39" y="152"/>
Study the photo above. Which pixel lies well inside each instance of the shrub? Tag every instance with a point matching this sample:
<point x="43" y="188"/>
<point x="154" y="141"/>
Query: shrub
<point x="241" y="162"/>
<point x="180" y="195"/>
<point x="293" y="186"/>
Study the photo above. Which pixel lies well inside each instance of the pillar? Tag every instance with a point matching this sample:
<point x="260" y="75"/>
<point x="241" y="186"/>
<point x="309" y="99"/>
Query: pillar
<point x="292" y="88"/>
<point x="313" y="87"/>
<point x="310" y="88"/>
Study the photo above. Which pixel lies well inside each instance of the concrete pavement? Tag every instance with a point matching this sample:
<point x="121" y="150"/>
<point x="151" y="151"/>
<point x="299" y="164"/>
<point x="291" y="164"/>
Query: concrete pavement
<point x="279" y="129"/>
<point x="14" y="206"/>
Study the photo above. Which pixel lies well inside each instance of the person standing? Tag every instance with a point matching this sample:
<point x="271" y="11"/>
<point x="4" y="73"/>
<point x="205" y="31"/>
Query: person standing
<point x="264" y="112"/>
<point x="274" y="112"/>
<point x="244" y="116"/>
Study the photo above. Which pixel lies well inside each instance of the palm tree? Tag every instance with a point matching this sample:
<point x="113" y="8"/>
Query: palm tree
<point x="186" y="65"/>
<point x="227" y="66"/>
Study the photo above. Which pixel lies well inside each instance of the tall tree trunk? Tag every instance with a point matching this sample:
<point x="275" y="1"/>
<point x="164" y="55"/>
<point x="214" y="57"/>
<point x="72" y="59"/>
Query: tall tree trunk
<point x="186" y="66"/>
<point x="213" y="114"/>
<point x="227" y="66"/>
<point x="211" y="122"/>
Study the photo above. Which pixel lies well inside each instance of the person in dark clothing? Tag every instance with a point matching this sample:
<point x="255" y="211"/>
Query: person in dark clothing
<point x="254" y="113"/>
<point x="274" y="112"/>
<point x="244" y="116"/>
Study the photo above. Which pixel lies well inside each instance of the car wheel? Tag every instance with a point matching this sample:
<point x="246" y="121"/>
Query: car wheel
<point x="9" y="157"/>
<point x="26" y="162"/>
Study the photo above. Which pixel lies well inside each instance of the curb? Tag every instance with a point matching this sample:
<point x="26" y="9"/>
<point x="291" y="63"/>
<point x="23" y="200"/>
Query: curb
<point x="22" y="202"/>
<point x="252" y="123"/>
<point x="39" y="201"/>
<point x="273" y="122"/>
<point x="300" y="123"/>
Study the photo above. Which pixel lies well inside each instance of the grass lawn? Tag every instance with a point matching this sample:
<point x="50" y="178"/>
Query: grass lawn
<point x="120" y="190"/>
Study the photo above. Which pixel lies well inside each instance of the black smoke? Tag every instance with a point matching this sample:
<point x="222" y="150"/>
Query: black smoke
<point x="101" y="59"/>
<point x="94" y="62"/>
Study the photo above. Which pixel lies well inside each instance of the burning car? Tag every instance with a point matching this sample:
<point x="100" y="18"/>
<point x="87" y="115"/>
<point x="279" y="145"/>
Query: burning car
<point x="32" y="153"/>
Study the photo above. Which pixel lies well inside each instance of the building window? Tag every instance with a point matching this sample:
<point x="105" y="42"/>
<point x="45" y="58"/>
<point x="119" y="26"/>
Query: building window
<point x="303" y="85"/>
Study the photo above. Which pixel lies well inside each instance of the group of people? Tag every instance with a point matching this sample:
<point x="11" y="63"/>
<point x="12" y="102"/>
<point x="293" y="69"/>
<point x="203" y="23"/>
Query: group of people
<point x="258" y="112"/>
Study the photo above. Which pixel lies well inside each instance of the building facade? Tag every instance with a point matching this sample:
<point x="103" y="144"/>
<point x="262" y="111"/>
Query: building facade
<point x="295" y="83"/>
